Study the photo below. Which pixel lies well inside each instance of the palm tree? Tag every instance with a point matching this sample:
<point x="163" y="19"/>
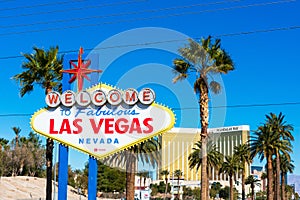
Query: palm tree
<point x="282" y="131"/>
<point x="42" y="68"/>
<point x="178" y="174"/>
<point x="17" y="131"/>
<point x="143" y="176"/>
<point x="3" y="143"/>
<point x="262" y="144"/>
<point x="165" y="173"/>
<point x="252" y="182"/>
<point x="214" y="158"/>
<point x="243" y="152"/>
<point x="286" y="166"/>
<point x="145" y="152"/>
<point x="230" y="167"/>
<point x="281" y="147"/>
<point x="290" y="192"/>
<point x="203" y="59"/>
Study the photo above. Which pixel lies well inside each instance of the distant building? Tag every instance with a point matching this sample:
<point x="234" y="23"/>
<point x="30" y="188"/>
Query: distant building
<point x="177" y="144"/>
<point x="257" y="171"/>
<point x="142" y="188"/>
<point x="177" y="189"/>
<point x="294" y="181"/>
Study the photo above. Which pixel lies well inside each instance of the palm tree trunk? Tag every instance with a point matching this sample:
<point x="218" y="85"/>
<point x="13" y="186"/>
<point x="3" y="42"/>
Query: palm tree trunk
<point x="204" y="126"/>
<point x="277" y="176"/>
<point x="283" y="194"/>
<point x="274" y="182"/>
<point x="204" y="170"/>
<point x="231" y="188"/>
<point x="130" y="176"/>
<point x="49" y="160"/>
<point x="252" y="191"/>
<point x="140" y="187"/>
<point x="49" y="156"/>
<point x="178" y="184"/>
<point x="243" y="184"/>
<point x="17" y="140"/>
<point x="166" y="187"/>
<point x="270" y="192"/>
<point x="207" y="182"/>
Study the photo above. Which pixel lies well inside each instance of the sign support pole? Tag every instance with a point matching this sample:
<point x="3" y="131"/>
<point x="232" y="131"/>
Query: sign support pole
<point x="93" y="166"/>
<point x="63" y="150"/>
<point x="92" y="181"/>
<point x="63" y="172"/>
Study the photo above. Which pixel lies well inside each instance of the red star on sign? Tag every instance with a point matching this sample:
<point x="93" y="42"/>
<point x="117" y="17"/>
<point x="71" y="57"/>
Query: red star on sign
<point x="80" y="70"/>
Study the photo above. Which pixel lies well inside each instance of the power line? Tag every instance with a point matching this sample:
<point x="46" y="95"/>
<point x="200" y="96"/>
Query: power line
<point x="72" y="9"/>
<point x="258" y="105"/>
<point x="191" y="108"/>
<point x="41" y="5"/>
<point x="144" y="18"/>
<point x="16" y="115"/>
<point x="6" y="1"/>
<point x="259" y="31"/>
<point x="120" y="14"/>
<point x="244" y="106"/>
<point x="171" y="41"/>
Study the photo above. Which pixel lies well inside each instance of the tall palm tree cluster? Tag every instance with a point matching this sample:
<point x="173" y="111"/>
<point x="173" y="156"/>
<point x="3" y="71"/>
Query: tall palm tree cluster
<point x="272" y="141"/>
<point x="227" y="165"/>
<point x="178" y="174"/>
<point x="230" y="165"/>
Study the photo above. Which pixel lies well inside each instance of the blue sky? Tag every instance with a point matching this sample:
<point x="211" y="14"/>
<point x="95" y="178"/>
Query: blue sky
<point x="262" y="38"/>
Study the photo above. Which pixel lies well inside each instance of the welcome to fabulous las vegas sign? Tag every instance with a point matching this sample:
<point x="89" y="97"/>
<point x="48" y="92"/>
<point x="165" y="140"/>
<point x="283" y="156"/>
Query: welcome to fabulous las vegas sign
<point x="102" y="120"/>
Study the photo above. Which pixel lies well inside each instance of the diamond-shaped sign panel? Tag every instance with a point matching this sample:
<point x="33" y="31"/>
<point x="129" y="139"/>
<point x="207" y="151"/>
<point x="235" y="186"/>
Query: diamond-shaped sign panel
<point x="102" y="120"/>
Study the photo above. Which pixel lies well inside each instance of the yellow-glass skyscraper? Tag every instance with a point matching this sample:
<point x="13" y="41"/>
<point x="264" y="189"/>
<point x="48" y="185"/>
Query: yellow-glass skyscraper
<point x="177" y="144"/>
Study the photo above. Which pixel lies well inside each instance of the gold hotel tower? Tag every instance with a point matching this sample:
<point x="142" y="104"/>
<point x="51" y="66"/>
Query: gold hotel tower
<point x="177" y="144"/>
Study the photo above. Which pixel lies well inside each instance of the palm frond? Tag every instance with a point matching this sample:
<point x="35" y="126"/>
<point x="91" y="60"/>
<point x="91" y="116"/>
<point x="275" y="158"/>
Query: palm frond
<point x="145" y="152"/>
<point x="193" y="52"/>
<point x="224" y="62"/>
<point x="215" y="87"/>
<point x="203" y="58"/>
<point x="286" y="164"/>
<point x="180" y="68"/>
<point x="41" y="68"/>
<point x="221" y="61"/>
<point x="214" y="157"/>
<point x="206" y="43"/>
